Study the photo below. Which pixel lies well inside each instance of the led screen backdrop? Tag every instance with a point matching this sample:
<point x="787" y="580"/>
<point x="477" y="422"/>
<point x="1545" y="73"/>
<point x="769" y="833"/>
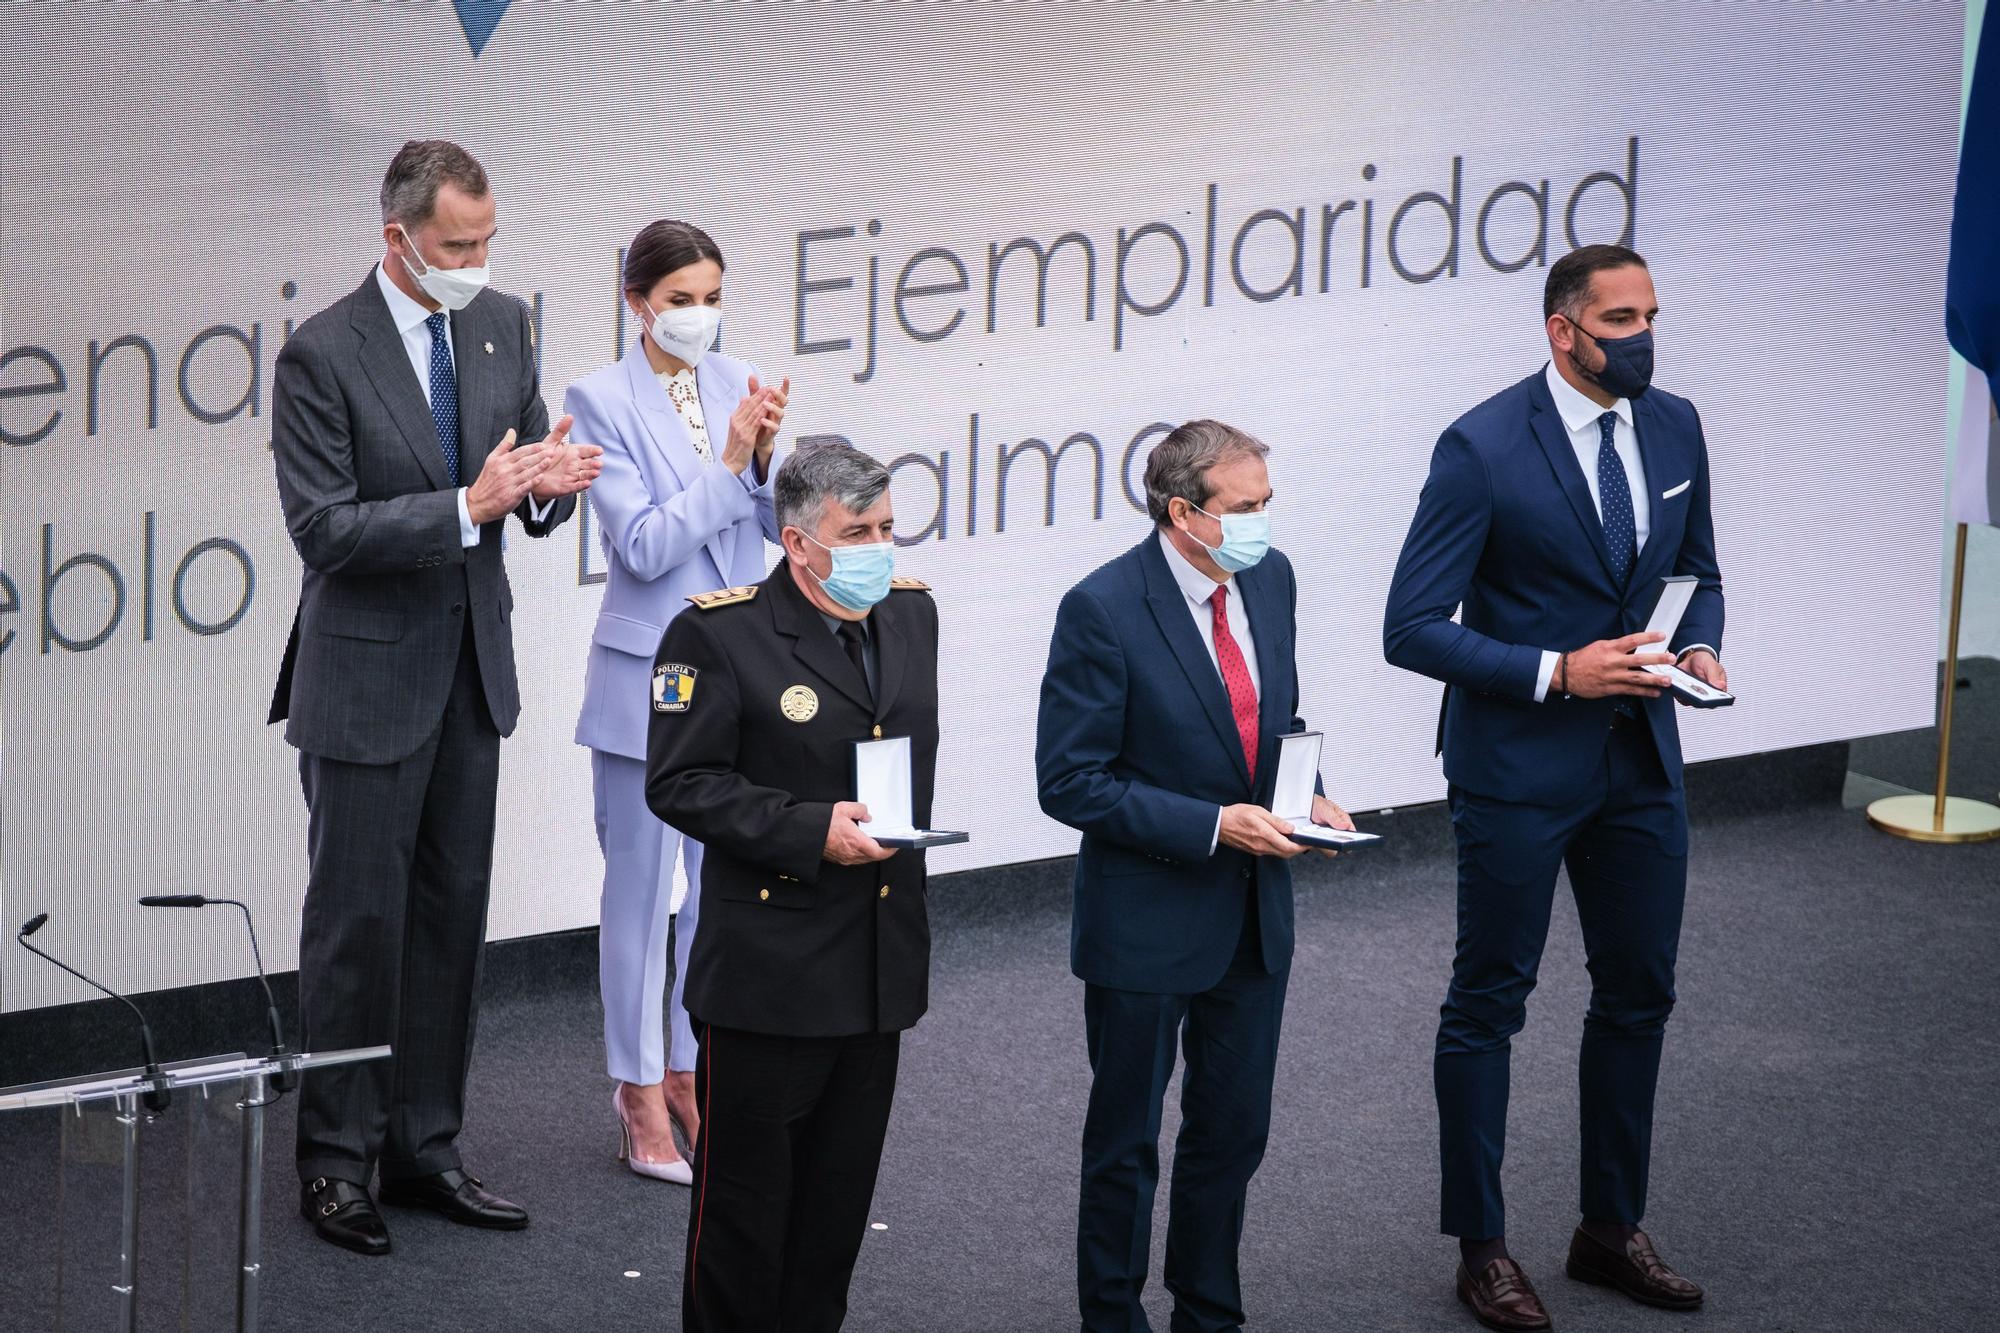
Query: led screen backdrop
<point x="996" y="247"/>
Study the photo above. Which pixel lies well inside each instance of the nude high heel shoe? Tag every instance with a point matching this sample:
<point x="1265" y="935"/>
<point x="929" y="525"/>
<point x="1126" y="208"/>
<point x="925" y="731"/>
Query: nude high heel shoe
<point x="676" y="1172"/>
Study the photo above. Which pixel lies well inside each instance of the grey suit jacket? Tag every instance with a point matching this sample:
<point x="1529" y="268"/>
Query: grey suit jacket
<point x="388" y="587"/>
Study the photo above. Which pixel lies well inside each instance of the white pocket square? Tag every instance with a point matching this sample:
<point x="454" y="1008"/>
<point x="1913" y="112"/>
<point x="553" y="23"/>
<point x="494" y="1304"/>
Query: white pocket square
<point x="1668" y="495"/>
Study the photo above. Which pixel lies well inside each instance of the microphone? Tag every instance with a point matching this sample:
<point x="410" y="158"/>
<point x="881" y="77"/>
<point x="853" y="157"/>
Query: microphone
<point x="286" y="1078"/>
<point x="158" y="1096"/>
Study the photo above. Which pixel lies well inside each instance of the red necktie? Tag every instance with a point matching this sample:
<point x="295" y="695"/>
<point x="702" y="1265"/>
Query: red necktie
<point x="1236" y="675"/>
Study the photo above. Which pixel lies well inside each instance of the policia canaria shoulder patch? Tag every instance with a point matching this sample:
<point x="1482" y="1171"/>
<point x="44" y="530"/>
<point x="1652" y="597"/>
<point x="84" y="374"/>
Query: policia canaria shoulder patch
<point x="673" y="687"/>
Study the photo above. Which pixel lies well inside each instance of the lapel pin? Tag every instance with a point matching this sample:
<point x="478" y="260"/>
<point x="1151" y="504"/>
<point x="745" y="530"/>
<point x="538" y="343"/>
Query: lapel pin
<point x="489" y="349"/>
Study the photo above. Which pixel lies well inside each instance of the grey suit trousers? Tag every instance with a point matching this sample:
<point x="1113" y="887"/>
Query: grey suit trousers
<point x="391" y="942"/>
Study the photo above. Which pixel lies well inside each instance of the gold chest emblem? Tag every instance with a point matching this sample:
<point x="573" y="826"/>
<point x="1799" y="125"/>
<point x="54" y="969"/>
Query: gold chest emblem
<point x="799" y="704"/>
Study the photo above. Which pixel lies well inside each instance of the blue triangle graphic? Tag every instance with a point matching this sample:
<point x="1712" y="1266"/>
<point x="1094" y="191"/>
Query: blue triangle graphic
<point x="479" y="18"/>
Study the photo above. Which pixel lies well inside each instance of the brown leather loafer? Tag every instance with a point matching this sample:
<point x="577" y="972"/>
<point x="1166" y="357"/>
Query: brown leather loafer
<point x="1637" y="1271"/>
<point x="1502" y="1298"/>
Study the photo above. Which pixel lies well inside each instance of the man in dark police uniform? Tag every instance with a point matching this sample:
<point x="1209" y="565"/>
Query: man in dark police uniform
<point x="814" y="949"/>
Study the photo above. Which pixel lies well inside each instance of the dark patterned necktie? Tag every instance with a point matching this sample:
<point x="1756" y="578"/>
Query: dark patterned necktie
<point x="1614" y="502"/>
<point x="444" y="394"/>
<point x="1621" y="531"/>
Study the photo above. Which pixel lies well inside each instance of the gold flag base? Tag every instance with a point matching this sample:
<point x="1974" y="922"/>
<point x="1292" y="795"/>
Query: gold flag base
<point x="1917" y="818"/>
<point x="1938" y="817"/>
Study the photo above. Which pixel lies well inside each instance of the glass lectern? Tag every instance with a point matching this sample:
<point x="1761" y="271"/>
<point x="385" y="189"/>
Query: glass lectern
<point x="190" y="1176"/>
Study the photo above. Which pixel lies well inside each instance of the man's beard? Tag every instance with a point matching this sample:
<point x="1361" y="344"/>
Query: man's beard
<point x="1588" y="374"/>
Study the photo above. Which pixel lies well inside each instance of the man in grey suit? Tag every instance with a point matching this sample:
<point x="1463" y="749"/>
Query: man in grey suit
<point x="396" y="416"/>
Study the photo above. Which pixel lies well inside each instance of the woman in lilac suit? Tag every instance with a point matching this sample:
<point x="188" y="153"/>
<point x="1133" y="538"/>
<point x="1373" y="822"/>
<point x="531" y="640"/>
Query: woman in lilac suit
<point x="684" y="504"/>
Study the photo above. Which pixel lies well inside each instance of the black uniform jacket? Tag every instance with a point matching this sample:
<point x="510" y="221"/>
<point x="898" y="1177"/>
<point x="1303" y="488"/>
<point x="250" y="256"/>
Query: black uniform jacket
<point x="755" y="712"/>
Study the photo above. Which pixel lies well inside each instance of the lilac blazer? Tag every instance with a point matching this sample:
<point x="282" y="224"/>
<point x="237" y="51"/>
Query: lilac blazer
<point x="671" y="526"/>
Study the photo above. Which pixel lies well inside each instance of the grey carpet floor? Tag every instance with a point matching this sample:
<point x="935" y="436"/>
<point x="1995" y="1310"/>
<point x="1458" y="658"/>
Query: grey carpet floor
<point x="1824" y="1157"/>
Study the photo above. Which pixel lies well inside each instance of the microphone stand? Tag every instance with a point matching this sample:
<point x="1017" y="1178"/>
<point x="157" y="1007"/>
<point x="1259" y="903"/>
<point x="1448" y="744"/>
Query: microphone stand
<point x="250" y="1199"/>
<point x="287" y="1077"/>
<point x="158" y="1094"/>
<point x="156" y="1098"/>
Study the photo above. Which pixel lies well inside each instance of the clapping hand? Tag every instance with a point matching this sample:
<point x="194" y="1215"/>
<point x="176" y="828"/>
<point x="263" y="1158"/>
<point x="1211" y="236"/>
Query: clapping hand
<point x="753" y="427"/>
<point x="775" y="402"/>
<point x="571" y="468"/>
<point x="509" y="473"/>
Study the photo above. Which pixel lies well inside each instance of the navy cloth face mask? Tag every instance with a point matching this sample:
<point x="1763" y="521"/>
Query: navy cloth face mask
<point x="1628" y="362"/>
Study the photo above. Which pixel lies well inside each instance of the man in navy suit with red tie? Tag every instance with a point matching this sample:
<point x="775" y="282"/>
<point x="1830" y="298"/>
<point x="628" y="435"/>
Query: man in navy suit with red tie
<point x="1552" y="511"/>
<point x="1170" y="680"/>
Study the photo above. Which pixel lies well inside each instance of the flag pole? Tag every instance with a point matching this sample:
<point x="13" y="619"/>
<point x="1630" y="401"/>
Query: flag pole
<point x="1940" y="817"/>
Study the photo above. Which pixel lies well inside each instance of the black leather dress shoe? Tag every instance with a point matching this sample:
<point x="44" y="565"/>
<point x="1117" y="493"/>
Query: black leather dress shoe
<point x="341" y="1212"/>
<point x="456" y="1196"/>
<point x="1637" y="1270"/>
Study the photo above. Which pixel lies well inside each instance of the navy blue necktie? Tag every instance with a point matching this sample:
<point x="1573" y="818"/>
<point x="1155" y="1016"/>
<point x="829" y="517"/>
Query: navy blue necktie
<point x="444" y="394"/>
<point x="1614" y="502"/>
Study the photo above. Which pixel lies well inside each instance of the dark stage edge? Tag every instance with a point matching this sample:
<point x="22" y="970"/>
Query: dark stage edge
<point x="1823" y="1156"/>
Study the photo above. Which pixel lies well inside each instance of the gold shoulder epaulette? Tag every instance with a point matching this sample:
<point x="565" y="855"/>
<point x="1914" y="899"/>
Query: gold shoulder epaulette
<point x="909" y="585"/>
<point x="708" y="601"/>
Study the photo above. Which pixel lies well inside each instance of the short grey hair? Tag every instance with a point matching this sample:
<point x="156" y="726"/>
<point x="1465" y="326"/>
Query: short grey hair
<point x="816" y="473"/>
<point x="410" y="186"/>
<point x="1179" y="464"/>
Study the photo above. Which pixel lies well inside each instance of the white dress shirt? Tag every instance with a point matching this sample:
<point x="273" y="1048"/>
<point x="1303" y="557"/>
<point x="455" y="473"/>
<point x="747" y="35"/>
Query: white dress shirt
<point x="1198" y="587"/>
<point x="411" y="321"/>
<point x="1579" y="416"/>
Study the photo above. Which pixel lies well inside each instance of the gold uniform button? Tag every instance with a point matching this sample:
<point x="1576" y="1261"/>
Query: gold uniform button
<point x="885" y="890"/>
<point x="762" y="894"/>
<point x="878" y="732"/>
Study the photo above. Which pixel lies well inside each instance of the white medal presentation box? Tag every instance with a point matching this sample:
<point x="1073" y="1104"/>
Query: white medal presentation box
<point x="1669" y="605"/>
<point x="882" y="782"/>
<point x="1292" y="799"/>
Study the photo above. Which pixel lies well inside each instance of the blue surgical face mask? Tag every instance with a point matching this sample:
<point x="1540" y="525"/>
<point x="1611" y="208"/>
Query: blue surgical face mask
<point x="1628" y="362"/>
<point x="1245" y="539"/>
<point x="861" y="574"/>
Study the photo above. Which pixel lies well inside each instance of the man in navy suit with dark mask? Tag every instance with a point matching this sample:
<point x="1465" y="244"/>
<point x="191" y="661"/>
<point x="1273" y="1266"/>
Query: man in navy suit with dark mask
<point x="1552" y="512"/>
<point x="1170" y="681"/>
